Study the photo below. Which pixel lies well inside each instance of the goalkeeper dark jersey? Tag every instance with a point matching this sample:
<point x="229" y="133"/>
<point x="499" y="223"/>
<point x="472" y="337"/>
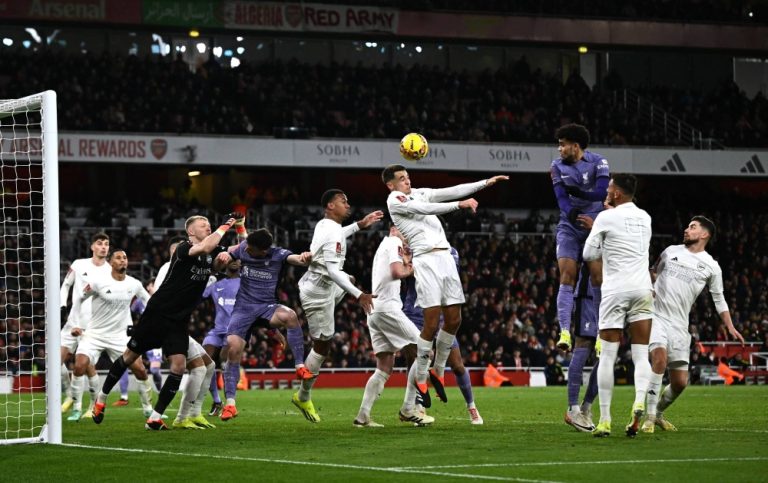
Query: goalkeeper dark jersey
<point x="183" y="287"/>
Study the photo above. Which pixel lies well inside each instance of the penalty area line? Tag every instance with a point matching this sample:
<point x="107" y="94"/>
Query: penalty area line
<point x="420" y="471"/>
<point x="576" y="463"/>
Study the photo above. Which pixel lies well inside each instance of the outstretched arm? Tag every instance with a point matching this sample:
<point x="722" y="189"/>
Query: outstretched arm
<point x="302" y="260"/>
<point x="462" y="190"/>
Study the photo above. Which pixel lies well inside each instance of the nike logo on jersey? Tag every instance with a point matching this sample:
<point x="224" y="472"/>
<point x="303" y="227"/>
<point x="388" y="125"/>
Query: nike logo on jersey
<point x="219" y="289"/>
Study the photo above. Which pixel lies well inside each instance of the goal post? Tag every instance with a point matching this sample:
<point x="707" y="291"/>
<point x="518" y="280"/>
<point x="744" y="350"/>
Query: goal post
<point x="30" y="361"/>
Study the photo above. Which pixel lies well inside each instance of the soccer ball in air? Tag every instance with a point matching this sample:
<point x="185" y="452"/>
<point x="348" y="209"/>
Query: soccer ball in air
<point x="413" y="146"/>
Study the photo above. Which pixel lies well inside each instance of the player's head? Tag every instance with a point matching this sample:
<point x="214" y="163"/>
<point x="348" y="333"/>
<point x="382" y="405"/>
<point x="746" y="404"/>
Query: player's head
<point x="233" y="268"/>
<point x="335" y="204"/>
<point x="198" y="227"/>
<point x="572" y="140"/>
<point x="259" y="241"/>
<point x="699" y="229"/>
<point x="118" y="259"/>
<point x="621" y="189"/>
<point x="100" y="245"/>
<point x="395" y="176"/>
<point x="173" y="243"/>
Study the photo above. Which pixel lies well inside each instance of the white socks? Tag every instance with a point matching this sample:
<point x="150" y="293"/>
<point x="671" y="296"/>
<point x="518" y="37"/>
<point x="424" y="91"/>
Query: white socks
<point x="642" y="371"/>
<point x="76" y="391"/>
<point x="667" y="398"/>
<point x="313" y="363"/>
<point x="194" y="380"/>
<point x="93" y="387"/>
<point x="197" y="407"/>
<point x="423" y="349"/>
<point x="443" y="343"/>
<point x="654" y="391"/>
<point x="410" y="389"/>
<point x="605" y="377"/>
<point x="66" y="385"/>
<point x="373" y="389"/>
<point x="145" y="393"/>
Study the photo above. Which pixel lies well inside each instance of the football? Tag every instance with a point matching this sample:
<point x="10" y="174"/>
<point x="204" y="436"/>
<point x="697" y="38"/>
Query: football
<point x="413" y="146"/>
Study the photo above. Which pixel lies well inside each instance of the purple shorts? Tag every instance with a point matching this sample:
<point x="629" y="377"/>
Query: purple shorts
<point x="155" y="355"/>
<point x="570" y="241"/>
<point x="418" y="321"/>
<point x="242" y="320"/>
<point x="216" y="338"/>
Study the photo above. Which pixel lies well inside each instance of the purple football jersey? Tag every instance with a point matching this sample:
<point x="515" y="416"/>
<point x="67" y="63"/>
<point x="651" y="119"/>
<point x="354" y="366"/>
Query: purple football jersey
<point x="259" y="277"/>
<point x="223" y="293"/>
<point x="582" y="175"/>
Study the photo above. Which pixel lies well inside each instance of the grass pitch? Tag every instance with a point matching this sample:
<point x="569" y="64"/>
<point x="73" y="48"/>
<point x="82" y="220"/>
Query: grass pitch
<point x="723" y="433"/>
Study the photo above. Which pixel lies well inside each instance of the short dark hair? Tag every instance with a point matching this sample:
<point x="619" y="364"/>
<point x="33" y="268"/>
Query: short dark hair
<point x="99" y="236"/>
<point x="707" y="224"/>
<point x="174" y="240"/>
<point x="576" y="133"/>
<point x="627" y="183"/>
<point x="112" y="252"/>
<point x="328" y="196"/>
<point x="261" y="239"/>
<point x="389" y="172"/>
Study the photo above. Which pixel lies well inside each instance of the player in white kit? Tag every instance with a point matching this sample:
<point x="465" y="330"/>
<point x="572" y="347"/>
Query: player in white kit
<point x="79" y="274"/>
<point x="621" y="237"/>
<point x="681" y="273"/>
<point x="438" y="287"/>
<point x="391" y="330"/>
<point x="107" y="331"/>
<point x="324" y="285"/>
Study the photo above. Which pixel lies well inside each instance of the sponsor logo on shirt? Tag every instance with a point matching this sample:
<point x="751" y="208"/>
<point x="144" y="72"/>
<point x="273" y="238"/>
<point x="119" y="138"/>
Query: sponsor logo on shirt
<point x="338" y="248"/>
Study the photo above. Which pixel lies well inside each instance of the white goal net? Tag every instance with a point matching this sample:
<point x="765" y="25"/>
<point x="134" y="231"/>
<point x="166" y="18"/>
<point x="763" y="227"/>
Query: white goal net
<point x="29" y="271"/>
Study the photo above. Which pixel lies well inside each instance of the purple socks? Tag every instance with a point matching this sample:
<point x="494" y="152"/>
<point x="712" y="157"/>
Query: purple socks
<point x="565" y="306"/>
<point x="576" y="374"/>
<point x="296" y="341"/>
<point x="215" y="389"/>
<point x="465" y="386"/>
<point x="231" y="377"/>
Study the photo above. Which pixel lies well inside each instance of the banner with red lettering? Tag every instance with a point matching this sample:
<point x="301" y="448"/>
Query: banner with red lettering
<point x="124" y="11"/>
<point x="308" y="17"/>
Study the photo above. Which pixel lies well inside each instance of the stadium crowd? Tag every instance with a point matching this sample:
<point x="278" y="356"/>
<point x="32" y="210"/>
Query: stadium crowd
<point x="511" y="282"/>
<point x="512" y="104"/>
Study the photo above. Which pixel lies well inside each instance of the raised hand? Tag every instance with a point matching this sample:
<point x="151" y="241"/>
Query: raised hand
<point x="492" y="181"/>
<point x="470" y="203"/>
<point x="370" y="219"/>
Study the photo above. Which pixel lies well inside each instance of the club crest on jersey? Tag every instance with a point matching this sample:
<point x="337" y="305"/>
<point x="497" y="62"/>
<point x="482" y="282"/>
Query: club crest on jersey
<point x="700" y="266"/>
<point x="338" y="248"/>
<point x="402" y="198"/>
<point x="585" y="177"/>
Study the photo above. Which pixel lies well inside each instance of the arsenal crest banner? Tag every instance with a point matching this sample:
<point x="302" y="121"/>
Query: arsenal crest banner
<point x="308" y="17"/>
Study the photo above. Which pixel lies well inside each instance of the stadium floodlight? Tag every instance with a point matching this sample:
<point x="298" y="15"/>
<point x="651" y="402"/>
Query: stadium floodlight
<point x="30" y="404"/>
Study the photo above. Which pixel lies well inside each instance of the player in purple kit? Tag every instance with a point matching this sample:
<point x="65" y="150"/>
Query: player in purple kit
<point x="256" y="303"/>
<point x="223" y="293"/>
<point x="580" y="180"/>
<point x="416" y="315"/>
<point x="584" y="326"/>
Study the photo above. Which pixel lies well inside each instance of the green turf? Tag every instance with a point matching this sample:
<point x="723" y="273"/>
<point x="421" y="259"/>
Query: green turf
<point x="723" y="435"/>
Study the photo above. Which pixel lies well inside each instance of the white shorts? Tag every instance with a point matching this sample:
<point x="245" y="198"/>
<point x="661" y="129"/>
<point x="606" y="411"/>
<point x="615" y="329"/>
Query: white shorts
<point x="437" y="280"/>
<point x="94" y="346"/>
<point x="194" y="350"/>
<point x="391" y="331"/>
<point x="620" y="309"/>
<point x="673" y="338"/>
<point x="318" y="302"/>
<point x="68" y="340"/>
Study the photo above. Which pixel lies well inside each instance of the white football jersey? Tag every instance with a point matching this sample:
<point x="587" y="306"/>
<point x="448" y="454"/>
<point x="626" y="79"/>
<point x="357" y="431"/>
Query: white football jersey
<point x="329" y="242"/>
<point x="623" y="235"/>
<point x="111" y="306"/>
<point x="386" y="288"/>
<point x="415" y="215"/>
<point x="162" y="272"/>
<point x="680" y="277"/>
<point x="81" y="273"/>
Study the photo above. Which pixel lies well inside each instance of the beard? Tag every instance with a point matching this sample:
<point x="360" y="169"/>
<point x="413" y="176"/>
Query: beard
<point x="689" y="241"/>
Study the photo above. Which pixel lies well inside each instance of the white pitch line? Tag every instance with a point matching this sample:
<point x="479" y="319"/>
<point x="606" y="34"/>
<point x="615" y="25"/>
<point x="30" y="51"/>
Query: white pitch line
<point x="312" y="463"/>
<point x="607" y="462"/>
